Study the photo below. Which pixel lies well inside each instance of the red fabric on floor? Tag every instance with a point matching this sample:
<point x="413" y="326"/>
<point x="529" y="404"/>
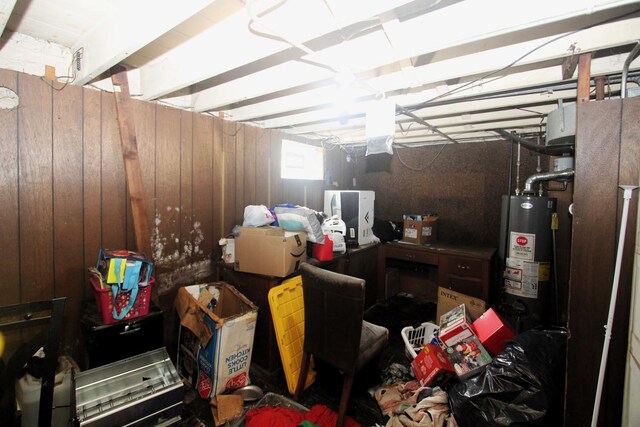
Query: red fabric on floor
<point x="269" y="416"/>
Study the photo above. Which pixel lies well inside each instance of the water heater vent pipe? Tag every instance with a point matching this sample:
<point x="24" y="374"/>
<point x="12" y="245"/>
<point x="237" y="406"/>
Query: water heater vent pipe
<point x="625" y="69"/>
<point x="545" y="176"/>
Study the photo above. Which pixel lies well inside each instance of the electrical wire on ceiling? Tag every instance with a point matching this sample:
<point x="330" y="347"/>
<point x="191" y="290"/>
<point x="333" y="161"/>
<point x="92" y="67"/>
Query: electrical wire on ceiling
<point x="266" y="31"/>
<point x="420" y="169"/>
<point x="475" y="82"/>
<point x="336" y="68"/>
<point x="70" y="77"/>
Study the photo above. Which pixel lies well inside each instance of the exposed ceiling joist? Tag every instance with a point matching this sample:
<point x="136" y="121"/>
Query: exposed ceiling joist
<point x="124" y="32"/>
<point x="294" y="65"/>
<point x="457" y="67"/>
<point x="529" y="78"/>
<point x="6" y="7"/>
<point x="234" y="39"/>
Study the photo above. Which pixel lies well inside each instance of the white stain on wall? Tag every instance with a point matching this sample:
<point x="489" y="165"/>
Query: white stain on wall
<point x="186" y="263"/>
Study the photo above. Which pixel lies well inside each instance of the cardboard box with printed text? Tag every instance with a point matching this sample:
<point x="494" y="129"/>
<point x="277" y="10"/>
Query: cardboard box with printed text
<point x="448" y="299"/>
<point x="217" y="327"/>
<point x="269" y="250"/>
<point x="420" y="229"/>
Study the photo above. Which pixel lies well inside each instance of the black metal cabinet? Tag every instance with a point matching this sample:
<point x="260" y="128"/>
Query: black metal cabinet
<point x="109" y="343"/>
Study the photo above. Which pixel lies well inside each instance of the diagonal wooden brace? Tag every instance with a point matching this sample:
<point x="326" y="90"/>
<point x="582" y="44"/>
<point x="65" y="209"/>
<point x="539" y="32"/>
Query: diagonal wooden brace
<point x="131" y="161"/>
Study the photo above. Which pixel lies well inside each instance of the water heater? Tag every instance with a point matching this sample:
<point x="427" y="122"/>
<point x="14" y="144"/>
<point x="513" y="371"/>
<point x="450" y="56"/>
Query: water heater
<point x="526" y="253"/>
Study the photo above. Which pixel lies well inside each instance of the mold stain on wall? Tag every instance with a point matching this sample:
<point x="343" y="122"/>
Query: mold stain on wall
<point x="179" y="260"/>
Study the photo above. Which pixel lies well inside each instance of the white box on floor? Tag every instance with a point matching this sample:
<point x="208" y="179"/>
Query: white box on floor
<point x="355" y="208"/>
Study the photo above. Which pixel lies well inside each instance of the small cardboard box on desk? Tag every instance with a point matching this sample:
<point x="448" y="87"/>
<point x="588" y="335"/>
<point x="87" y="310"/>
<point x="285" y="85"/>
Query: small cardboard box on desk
<point x="269" y="250"/>
<point x="420" y="229"/>
<point x="217" y="327"/>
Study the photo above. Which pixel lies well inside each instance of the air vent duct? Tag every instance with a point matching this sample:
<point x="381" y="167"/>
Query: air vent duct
<point x="561" y="124"/>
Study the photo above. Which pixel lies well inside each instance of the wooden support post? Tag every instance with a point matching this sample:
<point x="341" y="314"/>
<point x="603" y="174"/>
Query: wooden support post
<point x="600" y="80"/>
<point x="131" y="161"/>
<point x="584" y="78"/>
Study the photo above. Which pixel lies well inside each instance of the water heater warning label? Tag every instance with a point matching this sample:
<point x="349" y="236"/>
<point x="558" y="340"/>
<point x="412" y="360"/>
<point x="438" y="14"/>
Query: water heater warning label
<point x="521" y="278"/>
<point x="522" y="246"/>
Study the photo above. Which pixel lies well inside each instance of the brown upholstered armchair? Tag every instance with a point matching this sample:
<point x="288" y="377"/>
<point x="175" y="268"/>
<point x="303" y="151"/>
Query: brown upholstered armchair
<point x="334" y="330"/>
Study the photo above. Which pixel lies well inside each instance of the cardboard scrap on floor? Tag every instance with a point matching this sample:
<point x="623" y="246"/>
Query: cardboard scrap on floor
<point x="226" y="407"/>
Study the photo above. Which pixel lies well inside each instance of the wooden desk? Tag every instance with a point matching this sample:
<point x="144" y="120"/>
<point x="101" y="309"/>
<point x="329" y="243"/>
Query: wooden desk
<point x="463" y="269"/>
<point x="358" y="262"/>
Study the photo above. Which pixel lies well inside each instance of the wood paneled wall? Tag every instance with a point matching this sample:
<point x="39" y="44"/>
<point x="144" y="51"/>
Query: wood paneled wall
<point x="463" y="183"/>
<point x="63" y="191"/>
<point x="607" y="155"/>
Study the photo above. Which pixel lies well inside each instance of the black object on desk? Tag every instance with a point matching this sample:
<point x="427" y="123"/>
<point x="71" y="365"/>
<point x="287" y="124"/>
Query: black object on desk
<point x="117" y="341"/>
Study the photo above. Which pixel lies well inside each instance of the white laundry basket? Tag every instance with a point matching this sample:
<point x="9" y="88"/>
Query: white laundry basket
<point x="416" y="338"/>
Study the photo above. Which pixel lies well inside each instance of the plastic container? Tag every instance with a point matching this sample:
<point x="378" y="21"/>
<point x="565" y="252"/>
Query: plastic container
<point x="416" y="338"/>
<point x="272" y="400"/>
<point x="104" y="301"/>
<point x="286" y="302"/>
<point x="323" y="252"/>
<point x="28" y="399"/>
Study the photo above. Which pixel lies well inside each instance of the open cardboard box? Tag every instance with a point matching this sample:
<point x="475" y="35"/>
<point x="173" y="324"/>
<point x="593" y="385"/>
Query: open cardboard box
<point x="217" y="327"/>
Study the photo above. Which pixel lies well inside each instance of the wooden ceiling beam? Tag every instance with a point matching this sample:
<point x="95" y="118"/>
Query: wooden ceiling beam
<point x="6" y="7"/>
<point x="127" y="30"/>
<point x="236" y="41"/>
<point x="478" y="63"/>
<point x="523" y="80"/>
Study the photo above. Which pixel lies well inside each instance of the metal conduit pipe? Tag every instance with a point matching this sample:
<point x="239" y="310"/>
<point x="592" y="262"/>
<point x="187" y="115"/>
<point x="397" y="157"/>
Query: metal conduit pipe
<point x="553" y="150"/>
<point x="625" y="69"/>
<point x="545" y="176"/>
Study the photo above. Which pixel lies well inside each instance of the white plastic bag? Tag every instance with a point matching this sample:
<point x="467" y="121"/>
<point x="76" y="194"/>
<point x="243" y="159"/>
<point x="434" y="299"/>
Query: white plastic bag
<point x="257" y="216"/>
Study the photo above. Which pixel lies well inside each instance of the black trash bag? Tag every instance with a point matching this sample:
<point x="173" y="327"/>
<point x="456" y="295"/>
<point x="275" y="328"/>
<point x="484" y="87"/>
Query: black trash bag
<point x="522" y="386"/>
<point x="387" y="231"/>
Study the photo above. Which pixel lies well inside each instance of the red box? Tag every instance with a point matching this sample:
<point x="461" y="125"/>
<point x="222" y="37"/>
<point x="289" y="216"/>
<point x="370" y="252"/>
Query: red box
<point x="104" y="301"/>
<point x="432" y="367"/>
<point x="455" y="326"/>
<point x="492" y="331"/>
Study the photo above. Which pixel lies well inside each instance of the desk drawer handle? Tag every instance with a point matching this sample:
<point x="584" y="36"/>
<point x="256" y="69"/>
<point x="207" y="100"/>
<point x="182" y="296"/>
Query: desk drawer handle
<point x="463" y="267"/>
<point x="410" y="256"/>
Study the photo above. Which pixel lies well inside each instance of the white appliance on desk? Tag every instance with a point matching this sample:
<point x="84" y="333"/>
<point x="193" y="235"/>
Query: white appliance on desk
<point x="355" y="208"/>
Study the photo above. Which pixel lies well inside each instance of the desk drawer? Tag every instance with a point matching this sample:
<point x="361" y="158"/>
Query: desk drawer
<point x="413" y="255"/>
<point x="464" y="267"/>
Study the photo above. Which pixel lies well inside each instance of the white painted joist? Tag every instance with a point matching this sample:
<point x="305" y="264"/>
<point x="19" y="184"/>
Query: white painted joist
<point x="599" y="66"/>
<point x="356" y="125"/>
<point x="601" y="37"/>
<point x="532" y="124"/>
<point x="6" y="7"/>
<point x="456" y="109"/>
<point x="131" y="26"/>
<point x="474" y="20"/>
<point x="26" y="54"/>
<point x="231" y="43"/>
<point x="355" y="55"/>
<point x="445" y="111"/>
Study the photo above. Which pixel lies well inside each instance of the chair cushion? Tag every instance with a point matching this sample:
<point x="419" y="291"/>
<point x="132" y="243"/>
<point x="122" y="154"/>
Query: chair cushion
<point x="372" y="340"/>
